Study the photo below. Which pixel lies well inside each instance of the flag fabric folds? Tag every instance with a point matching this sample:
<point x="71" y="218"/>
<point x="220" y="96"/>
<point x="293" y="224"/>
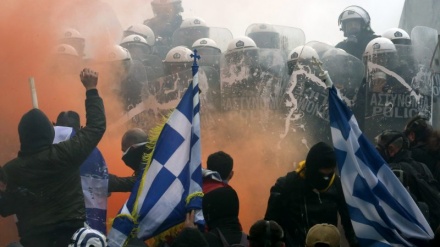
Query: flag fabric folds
<point x="382" y="211"/>
<point x="170" y="185"/>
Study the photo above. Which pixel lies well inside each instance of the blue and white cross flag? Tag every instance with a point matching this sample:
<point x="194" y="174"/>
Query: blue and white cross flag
<point x="171" y="184"/>
<point x="381" y="210"/>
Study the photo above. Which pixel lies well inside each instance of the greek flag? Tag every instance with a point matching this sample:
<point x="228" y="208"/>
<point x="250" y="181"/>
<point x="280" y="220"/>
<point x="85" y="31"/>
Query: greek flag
<point x="94" y="182"/>
<point x="382" y="211"/>
<point x="171" y="184"/>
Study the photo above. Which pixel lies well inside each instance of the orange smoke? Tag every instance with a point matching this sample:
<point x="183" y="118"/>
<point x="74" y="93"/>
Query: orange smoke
<point x="30" y="30"/>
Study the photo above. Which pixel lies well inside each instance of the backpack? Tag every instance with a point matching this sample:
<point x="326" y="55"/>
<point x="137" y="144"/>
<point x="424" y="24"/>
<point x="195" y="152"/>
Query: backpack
<point x="243" y="242"/>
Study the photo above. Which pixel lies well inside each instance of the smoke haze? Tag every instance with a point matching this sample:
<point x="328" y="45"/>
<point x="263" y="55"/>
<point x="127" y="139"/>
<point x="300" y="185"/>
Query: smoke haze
<point x="29" y="33"/>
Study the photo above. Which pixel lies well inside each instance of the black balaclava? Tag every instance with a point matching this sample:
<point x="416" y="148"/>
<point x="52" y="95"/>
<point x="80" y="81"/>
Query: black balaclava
<point x="36" y="132"/>
<point x="133" y="156"/>
<point x="321" y="155"/>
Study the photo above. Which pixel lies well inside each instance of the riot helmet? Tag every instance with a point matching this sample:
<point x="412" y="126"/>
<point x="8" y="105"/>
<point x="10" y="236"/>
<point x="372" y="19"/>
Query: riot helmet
<point x="137" y="46"/>
<point x="65" y="49"/>
<point x="398" y="36"/>
<point x="178" y="59"/>
<point x="65" y="59"/>
<point x="265" y="36"/>
<point x="118" y="59"/>
<point x="389" y="143"/>
<point x="73" y="37"/>
<point x="241" y="48"/>
<point x="143" y="30"/>
<point x="303" y="54"/>
<point x="418" y="129"/>
<point x="354" y="20"/>
<point x="191" y="30"/>
<point x="166" y="8"/>
<point x="381" y="51"/>
<point x="208" y="50"/>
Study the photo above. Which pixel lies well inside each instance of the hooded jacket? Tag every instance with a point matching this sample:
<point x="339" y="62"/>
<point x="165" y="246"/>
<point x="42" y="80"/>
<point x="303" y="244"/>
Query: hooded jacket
<point x="50" y="172"/>
<point x="220" y="210"/>
<point x="296" y="205"/>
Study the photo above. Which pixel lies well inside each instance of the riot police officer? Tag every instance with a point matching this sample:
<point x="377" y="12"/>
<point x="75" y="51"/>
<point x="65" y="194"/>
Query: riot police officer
<point x="355" y="23"/>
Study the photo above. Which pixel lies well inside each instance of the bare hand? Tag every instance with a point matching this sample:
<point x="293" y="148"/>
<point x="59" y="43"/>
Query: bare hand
<point x="89" y="78"/>
<point x="189" y="221"/>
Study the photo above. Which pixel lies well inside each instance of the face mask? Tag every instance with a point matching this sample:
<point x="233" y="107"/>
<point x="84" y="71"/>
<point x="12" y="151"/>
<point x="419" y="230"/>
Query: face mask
<point x="321" y="182"/>
<point x="133" y="156"/>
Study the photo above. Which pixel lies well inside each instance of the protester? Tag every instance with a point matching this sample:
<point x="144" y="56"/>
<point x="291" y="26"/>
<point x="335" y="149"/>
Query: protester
<point x="424" y="143"/>
<point x="219" y="171"/>
<point x="323" y="235"/>
<point x="265" y="233"/>
<point x="415" y="176"/>
<point x="310" y="195"/>
<point x="220" y="210"/>
<point x="133" y="146"/>
<point x="51" y="172"/>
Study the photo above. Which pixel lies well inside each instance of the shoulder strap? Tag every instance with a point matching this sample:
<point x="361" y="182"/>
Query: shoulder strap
<point x="222" y="238"/>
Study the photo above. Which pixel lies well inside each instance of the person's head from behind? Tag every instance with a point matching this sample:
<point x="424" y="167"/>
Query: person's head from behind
<point x="323" y="235"/>
<point x="390" y="143"/>
<point x="222" y="163"/>
<point x="36" y="132"/>
<point x="69" y="119"/>
<point x="264" y="233"/>
<point x="133" y="146"/>
<point x="220" y="204"/>
<point x="418" y="130"/>
<point x="320" y="166"/>
<point x="87" y="237"/>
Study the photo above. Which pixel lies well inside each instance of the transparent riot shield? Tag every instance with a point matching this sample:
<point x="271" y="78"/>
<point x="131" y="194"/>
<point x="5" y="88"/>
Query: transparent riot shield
<point x="305" y="105"/>
<point x="346" y="71"/>
<point x="154" y="66"/>
<point x="187" y="36"/>
<point x="399" y="87"/>
<point x="424" y="40"/>
<point x="251" y="87"/>
<point x="274" y="36"/>
<point x="427" y="51"/>
<point x="160" y="97"/>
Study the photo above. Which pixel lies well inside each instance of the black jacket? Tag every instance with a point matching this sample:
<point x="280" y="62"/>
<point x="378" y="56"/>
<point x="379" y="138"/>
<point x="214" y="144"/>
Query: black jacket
<point x="421" y="184"/>
<point x="357" y="48"/>
<point x="50" y="172"/>
<point x="296" y="207"/>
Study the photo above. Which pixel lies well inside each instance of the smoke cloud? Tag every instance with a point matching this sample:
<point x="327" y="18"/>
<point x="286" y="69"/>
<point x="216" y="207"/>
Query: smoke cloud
<point x="31" y="29"/>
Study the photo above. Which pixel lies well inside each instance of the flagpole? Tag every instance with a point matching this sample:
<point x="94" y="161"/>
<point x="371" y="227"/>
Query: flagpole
<point x="33" y="92"/>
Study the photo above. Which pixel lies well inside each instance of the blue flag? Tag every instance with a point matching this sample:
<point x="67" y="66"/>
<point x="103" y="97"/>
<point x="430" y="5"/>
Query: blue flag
<point x="171" y="184"/>
<point x="381" y="210"/>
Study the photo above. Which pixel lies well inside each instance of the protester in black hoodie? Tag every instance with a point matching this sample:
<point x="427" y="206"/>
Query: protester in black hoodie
<point x="51" y="172"/>
<point x="310" y="195"/>
<point x="220" y="210"/>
